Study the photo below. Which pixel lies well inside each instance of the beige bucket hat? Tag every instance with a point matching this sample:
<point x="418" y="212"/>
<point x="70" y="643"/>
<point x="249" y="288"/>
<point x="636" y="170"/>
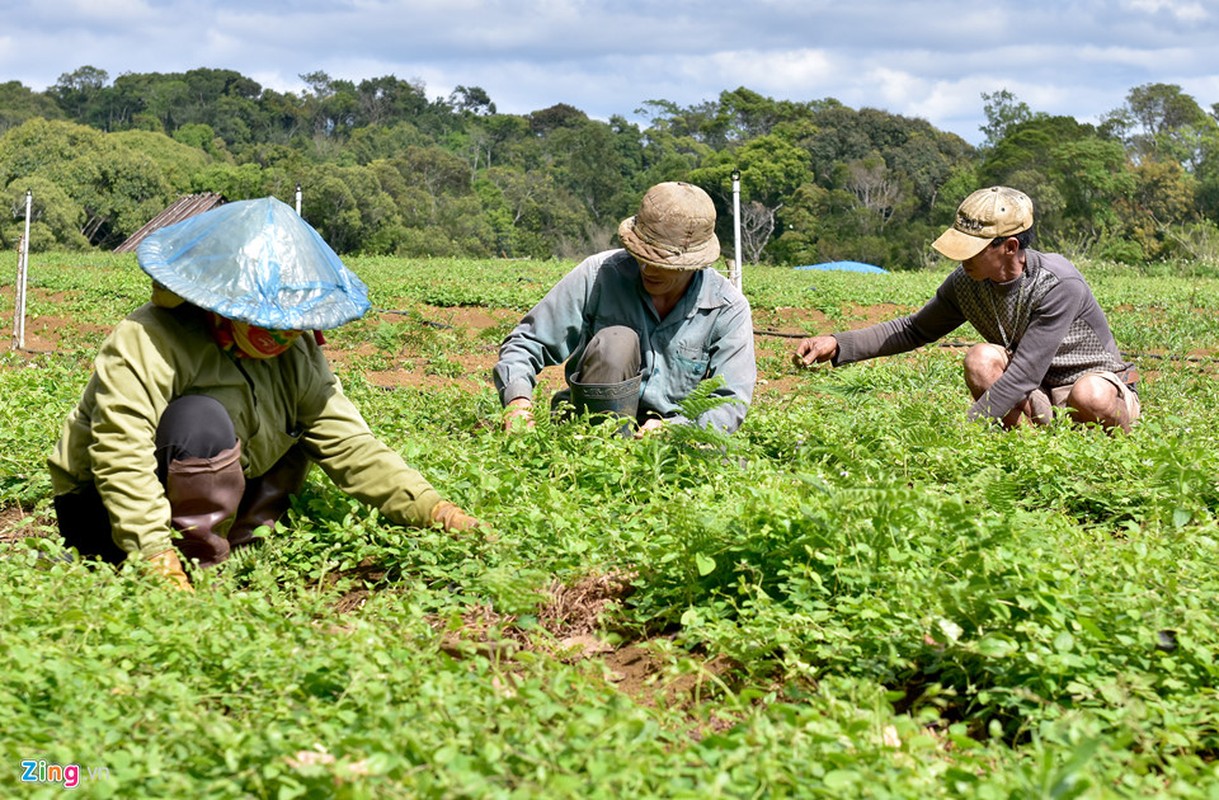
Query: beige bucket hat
<point x="674" y="228"/>
<point x="983" y="217"/>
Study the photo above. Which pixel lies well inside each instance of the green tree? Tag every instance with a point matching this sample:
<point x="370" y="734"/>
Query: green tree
<point x="702" y="124"/>
<point x="334" y="104"/>
<point x="178" y="162"/>
<point x="18" y="103"/>
<point x="531" y="216"/>
<point x="771" y="169"/>
<point x="472" y="100"/>
<point x="1093" y="176"/>
<point x="374" y="142"/>
<point x="231" y="181"/>
<point x="1156" y="212"/>
<point x="1160" y="122"/>
<point x="237" y="121"/>
<point x="78" y="92"/>
<point x="735" y="117"/>
<point x="1208" y="170"/>
<point x="438" y="209"/>
<point x="387" y="101"/>
<point x="349" y="209"/>
<point x="587" y="163"/>
<point x="1003" y="111"/>
<point x="560" y="115"/>
<point x="496" y="139"/>
<point x="750" y="115"/>
<point x="436" y="171"/>
<point x="830" y="225"/>
<point x="55" y="218"/>
<point x="1035" y="157"/>
<point x="118" y="187"/>
<point x="287" y="117"/>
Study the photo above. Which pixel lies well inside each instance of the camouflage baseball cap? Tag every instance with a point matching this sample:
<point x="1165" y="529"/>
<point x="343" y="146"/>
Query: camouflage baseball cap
<point x="983" y="217"/>
<point x="674" y="229"/>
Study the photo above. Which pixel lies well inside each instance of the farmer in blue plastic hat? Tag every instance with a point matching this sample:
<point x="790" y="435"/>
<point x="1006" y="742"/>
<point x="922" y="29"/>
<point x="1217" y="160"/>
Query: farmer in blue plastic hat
<point x="208" y="405"/>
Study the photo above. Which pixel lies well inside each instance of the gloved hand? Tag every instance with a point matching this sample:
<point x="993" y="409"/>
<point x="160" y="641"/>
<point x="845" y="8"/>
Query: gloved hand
<point x="169" y="566"/>
<point x="452" y="518"/>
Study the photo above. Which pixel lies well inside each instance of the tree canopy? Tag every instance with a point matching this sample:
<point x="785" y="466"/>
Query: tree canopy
<point x="387" y="170"/>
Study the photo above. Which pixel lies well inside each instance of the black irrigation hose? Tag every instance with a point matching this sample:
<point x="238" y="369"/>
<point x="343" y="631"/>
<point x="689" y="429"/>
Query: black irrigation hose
<point x="1131" y="356"/>
<point x="427" y="322"/>
<point x="954" y="344"/>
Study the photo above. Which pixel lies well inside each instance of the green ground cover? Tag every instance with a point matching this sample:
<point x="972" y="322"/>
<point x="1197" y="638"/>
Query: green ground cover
<point x="860" y="594"/>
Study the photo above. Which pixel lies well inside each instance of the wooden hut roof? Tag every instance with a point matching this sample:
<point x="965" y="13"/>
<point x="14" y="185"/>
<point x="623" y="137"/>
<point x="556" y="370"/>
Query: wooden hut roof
<point x="185" y="206"/>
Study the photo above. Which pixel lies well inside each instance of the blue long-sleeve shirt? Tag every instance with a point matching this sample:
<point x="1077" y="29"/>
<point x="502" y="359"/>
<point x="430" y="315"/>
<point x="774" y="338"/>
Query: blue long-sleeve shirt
<point x="709" y="333"/>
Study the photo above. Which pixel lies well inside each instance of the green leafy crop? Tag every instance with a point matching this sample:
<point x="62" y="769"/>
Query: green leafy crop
<point x="859" y="594"/>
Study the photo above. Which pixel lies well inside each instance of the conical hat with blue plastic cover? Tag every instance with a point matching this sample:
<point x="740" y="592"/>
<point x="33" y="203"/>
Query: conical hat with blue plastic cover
<point x="255" y="261"/>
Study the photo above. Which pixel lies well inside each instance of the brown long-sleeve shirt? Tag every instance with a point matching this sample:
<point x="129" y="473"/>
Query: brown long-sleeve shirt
<point x="1047" y="319"/>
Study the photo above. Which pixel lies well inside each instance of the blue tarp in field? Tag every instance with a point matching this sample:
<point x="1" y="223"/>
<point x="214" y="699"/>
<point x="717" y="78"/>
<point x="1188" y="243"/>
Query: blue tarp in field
<point x="846" y="266"/>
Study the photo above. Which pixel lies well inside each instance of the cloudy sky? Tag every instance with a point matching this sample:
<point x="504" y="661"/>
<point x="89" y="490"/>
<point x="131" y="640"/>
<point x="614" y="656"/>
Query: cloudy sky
<point x="921" y="58"/>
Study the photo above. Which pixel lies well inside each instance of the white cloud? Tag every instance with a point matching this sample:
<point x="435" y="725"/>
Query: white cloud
<point x="1183" y="11"/>
<point x="86" y="9"/>
<point x="896" y="88"/>
<point x="1147" y="59"/>
<point x="791" y="72"/>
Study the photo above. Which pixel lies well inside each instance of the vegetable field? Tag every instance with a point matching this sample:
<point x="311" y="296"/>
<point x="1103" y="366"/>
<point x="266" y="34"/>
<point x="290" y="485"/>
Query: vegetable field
<point x="860" y="594"/>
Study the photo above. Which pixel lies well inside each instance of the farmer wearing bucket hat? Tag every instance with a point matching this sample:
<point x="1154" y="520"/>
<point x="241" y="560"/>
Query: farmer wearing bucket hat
<point x="1048" y="343"/>
<point x="639" y="328"/>
<point x="208" y="405"/>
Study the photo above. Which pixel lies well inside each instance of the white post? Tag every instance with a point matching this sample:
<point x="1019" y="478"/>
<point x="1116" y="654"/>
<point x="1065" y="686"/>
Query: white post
<point x="23" y="262"/>
<point x="298" y="199"/>
<point x="735" y="275"/>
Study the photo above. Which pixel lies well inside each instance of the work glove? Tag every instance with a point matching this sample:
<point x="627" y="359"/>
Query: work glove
<point x="169" y="566"/>
<point x="452" y="518"/>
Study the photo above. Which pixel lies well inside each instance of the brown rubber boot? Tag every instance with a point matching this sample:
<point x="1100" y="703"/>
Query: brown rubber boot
<point x="269" y="496"/>
<point x="203" y="495"/>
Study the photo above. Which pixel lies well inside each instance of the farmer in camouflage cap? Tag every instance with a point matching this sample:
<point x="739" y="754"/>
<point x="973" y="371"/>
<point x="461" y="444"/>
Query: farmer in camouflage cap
<point x="1048" y="344"/>
<point x="208" y="406"/>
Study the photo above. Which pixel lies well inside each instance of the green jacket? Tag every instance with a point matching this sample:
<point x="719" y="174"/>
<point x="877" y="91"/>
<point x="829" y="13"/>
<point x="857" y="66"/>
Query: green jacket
<point x="156" y="355"/>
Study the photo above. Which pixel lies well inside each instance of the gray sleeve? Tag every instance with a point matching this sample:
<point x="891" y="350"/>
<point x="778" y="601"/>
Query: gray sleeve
<point x="939" y="317"/>
<point x="545" y="336"/>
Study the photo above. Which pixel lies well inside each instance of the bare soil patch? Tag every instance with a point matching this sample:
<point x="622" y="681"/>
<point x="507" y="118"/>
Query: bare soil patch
<point x="17" y="523"/>
<point x="570" y="627"/>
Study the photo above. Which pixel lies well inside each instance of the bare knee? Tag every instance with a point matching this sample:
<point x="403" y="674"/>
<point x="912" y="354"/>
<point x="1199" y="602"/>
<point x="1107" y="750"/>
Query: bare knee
<point x="984" y="364"/>
<point x="1094" y="399"/>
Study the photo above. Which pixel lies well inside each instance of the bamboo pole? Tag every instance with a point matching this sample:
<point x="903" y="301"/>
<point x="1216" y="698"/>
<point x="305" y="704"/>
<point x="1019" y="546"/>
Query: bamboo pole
<point x="23" y="261"/>
<point x="735" y="273"/>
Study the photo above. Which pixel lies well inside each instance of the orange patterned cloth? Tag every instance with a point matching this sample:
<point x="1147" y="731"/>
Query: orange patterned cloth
<point x="250" y="341"/>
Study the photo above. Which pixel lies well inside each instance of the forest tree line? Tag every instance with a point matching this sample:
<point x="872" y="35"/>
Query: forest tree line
<point x="385" y="170"/>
